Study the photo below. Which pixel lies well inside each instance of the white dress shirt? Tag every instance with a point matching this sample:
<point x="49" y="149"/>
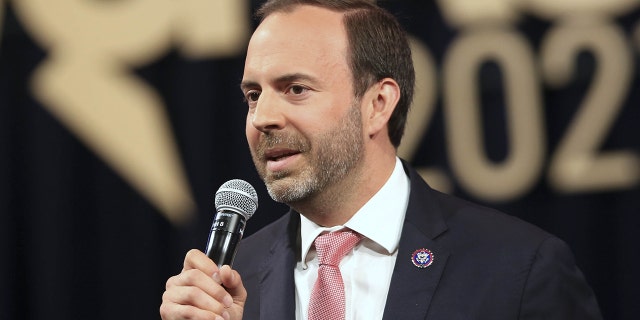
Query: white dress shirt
<point x="367" y="270"/>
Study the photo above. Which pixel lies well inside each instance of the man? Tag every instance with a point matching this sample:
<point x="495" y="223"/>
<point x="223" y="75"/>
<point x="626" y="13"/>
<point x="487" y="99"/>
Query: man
<point x="328" y="84"/>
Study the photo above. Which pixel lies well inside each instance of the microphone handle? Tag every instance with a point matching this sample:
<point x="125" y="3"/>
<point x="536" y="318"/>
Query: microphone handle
<point x="226" y="232"/>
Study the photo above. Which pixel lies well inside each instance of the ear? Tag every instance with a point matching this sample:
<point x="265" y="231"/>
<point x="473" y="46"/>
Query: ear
<point x="381" y="99"/>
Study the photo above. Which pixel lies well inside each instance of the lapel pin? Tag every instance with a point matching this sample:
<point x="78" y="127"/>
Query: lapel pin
<point x="422" y="258"/>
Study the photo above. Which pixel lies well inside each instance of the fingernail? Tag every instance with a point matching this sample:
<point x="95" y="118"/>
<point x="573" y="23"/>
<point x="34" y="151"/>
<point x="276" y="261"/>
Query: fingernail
<point x="227" y="301"/>
<point x="216" y="277"/>
<point x="226" y="315"/>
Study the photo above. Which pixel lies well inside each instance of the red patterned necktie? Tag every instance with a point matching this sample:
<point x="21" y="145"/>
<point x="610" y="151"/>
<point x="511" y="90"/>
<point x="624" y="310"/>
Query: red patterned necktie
<point x="327" y="298"/>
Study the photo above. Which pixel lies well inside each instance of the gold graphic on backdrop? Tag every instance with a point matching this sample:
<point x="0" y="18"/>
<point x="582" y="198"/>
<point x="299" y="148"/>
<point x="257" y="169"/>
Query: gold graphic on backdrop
<point x="86" y="81"/>
<point x="579" y="163"/>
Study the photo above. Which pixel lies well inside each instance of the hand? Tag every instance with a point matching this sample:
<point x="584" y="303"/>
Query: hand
<point x="202" y="291"/>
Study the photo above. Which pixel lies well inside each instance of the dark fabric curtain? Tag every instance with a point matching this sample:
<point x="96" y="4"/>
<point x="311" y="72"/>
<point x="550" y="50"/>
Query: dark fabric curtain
<point x="77" y="241"/>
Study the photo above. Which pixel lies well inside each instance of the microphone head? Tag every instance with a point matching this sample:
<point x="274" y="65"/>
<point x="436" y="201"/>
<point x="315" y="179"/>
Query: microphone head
<point x="238" y="196"/>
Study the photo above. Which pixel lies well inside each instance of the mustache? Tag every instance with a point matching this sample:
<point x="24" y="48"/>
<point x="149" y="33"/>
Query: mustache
<point x="282" y="140"/>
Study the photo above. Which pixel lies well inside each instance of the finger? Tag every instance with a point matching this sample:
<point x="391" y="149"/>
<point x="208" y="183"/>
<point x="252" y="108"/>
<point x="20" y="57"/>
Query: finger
<point x="194" y="297"/>
<point x="196" y="259"/>
<point x="172" y="311"/>
<point x="198" y="279"/>
<point x="232" y="281"/>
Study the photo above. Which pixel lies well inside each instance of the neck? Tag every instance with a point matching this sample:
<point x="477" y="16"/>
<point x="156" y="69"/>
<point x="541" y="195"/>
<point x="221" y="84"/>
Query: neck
<point x="339" y="202"/>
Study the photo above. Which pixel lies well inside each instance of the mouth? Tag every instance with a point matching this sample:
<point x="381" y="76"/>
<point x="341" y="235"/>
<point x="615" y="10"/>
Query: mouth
<point x="279" y="154"/>
<point x="280" y="158"/>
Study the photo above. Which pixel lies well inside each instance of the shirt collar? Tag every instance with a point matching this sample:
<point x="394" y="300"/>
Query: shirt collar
<point x="379" y="220"/>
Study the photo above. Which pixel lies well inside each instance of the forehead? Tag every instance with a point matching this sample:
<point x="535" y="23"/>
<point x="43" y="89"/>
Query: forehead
<point x="307" y="37"/>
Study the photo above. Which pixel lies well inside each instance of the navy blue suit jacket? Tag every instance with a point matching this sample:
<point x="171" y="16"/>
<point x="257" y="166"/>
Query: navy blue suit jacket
<point x="487" y="265"/>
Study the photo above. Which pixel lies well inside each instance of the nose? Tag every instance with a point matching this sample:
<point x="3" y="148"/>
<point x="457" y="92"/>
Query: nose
<point x="268" y="114"/>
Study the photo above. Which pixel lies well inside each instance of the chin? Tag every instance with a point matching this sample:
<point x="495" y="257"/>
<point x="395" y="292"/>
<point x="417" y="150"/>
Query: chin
<point x="287" y="190"/>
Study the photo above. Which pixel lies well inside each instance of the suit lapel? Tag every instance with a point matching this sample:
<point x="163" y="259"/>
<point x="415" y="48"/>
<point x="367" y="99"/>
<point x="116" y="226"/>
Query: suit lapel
<point x="411" y="287"/>
<point x="277" y="287"/>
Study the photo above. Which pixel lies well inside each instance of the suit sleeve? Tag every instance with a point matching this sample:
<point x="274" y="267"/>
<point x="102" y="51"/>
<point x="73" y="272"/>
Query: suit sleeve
<point x="556" y="288"/>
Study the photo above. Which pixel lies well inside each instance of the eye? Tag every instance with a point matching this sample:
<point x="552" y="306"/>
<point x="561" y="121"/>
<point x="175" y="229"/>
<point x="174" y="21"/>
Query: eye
<point x="252" y="96"/>
<point x="297" y="89"/>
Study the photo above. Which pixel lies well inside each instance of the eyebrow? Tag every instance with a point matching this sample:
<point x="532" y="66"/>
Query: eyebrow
<point x="296" y="77"/>
<point x="286" y="78"/>
<point x="246" y="85"/>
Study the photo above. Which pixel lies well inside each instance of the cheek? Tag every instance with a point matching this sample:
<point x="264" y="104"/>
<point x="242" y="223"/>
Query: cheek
<point x="251" y="133"/>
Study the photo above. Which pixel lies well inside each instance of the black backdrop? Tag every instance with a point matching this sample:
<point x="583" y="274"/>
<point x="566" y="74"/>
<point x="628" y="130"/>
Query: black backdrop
<point x="77" y="241"/>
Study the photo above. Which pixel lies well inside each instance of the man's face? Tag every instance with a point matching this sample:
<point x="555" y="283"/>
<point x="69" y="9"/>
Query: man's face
<point x="304" y="126"/>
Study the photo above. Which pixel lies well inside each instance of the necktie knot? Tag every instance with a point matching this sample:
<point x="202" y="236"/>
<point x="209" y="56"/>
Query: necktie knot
<point x="332" y="247"/>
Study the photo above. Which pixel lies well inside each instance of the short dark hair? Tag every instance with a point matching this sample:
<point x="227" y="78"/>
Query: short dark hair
<point x="378" y="49"/>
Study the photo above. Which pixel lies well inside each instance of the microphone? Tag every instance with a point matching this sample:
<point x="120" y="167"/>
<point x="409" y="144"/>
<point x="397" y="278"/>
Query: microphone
<point x="235" y="201"/>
